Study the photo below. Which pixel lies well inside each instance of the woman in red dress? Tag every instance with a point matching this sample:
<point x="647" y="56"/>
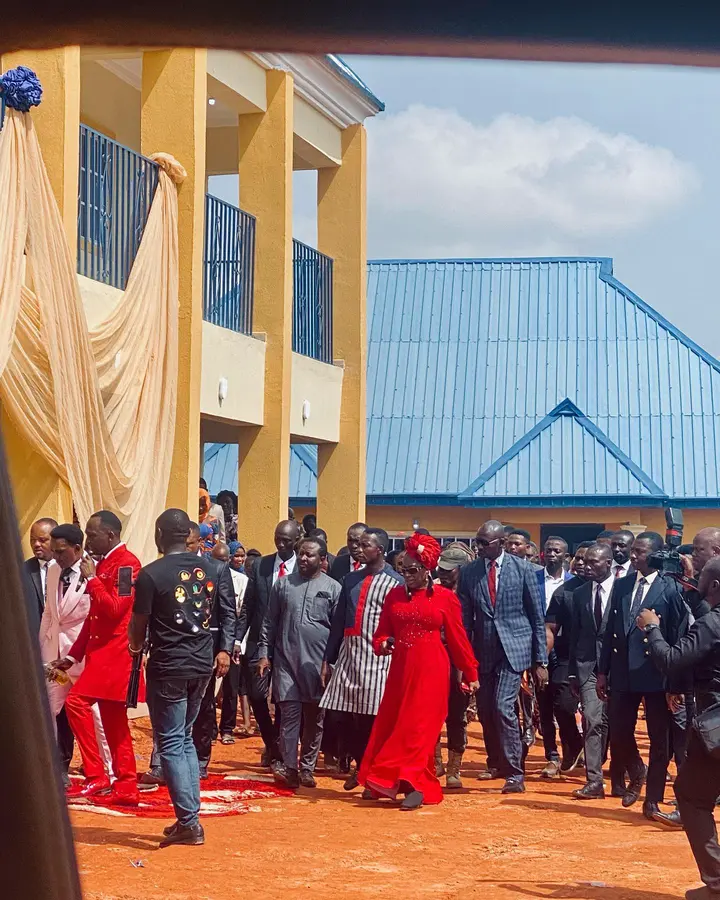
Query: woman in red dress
<point x="400" y="755"/>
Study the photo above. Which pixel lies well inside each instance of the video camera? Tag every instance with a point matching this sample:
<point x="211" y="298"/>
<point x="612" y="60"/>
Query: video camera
<point x="668" y="561"/>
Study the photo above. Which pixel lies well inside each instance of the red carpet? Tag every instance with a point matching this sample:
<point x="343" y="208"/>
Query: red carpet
<point x="220" y="795"/>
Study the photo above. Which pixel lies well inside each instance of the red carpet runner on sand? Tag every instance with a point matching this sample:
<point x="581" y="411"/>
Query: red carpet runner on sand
<point x="220" y="795"/>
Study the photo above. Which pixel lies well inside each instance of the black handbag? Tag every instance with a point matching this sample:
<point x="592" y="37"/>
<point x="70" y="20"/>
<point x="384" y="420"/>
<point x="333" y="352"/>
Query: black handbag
<point x="707" y="728"/>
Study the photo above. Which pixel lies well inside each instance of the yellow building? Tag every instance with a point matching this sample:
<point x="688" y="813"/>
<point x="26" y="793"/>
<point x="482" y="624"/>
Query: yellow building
<point x="272" y="333"/>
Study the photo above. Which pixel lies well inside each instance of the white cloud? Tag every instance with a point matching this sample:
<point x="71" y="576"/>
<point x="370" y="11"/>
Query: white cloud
<point x="439" y="185"/>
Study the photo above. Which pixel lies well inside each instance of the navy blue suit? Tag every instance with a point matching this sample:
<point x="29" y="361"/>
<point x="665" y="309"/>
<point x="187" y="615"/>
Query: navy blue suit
<point x="507" y="640"/>
<point x="625" y="660"/>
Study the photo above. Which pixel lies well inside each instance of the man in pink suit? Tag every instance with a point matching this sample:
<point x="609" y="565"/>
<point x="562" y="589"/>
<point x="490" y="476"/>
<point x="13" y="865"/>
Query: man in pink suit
<point x="67" y="604"/>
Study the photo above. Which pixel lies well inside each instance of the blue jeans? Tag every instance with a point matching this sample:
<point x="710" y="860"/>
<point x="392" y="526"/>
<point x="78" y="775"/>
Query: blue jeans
<point x="174" y="705"/>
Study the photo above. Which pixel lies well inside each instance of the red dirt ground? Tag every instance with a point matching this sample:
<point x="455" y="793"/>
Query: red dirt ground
<point x="326" y="844"/>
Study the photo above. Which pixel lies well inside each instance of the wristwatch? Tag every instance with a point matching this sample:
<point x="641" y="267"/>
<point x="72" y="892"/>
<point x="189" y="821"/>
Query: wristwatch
<point x="649" y="627"/>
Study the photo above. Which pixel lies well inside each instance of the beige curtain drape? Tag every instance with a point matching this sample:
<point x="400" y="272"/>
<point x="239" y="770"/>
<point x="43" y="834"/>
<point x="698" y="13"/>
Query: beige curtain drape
<point x="98" y="406"/>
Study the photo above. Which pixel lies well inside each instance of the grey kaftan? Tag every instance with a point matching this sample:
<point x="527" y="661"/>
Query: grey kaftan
<point x="295" y="632"/>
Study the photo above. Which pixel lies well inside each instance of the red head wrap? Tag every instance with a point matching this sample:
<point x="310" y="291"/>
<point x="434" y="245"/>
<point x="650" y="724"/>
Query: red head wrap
<point x="425" y="549"/>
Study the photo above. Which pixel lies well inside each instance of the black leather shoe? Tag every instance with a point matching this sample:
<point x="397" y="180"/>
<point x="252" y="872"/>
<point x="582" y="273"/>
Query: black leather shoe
<point x="171" y="829"/>
<point x="192" y="836"/>
<point x="630" y="797"/>
<point x="590" y="792"/>
<point x="668" y="820"/>
<point x="351" y="783"/>
<point x="634" y="789"/>
<point x="514" y="786"/>
<point x="649" y="809"/>
<point x="367" y="794"/>
<point x="413" y="800"/>
<point x="285" y="777"/>
<point x="701" y="893"/>
<point x="307" y="780"/>
<point x="488" y="775"/>
<point x="618" y="790"/>
<point x="571" y="760"/>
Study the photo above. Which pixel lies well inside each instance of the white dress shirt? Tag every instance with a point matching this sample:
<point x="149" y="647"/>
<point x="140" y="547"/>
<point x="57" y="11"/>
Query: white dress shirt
<point x="289" y="566"/>
<point x="552" y="584"/>
<point x="624" y="569"/>
<point x="43" y="573"/>
<point x="648" y="579"/>
<point x="498" y="565"/>
<point x="607" y="587"/>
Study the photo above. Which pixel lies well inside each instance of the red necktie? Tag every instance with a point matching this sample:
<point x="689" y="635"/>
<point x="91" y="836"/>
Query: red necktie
<point x="618" y="571"/>
<point x="282" y="571"/>
<point x="356" y="565"/>
<point x="492" y="581"/>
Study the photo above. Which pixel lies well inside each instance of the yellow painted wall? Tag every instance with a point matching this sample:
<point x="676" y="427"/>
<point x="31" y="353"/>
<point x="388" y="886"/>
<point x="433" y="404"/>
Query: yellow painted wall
<point x="110" y="105"/>
<point x="320" y="384"/>
<point x="265" y="168"/>
<point x="174" y="106"/>
<point x="240" y="359"/>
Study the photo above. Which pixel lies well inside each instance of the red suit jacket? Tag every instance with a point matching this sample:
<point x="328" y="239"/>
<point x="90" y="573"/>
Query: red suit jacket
<point x="103" y="641"/>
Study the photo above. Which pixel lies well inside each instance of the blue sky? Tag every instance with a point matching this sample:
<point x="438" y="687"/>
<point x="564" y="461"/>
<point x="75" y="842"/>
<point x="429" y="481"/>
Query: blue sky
<point x="484" y="158"/>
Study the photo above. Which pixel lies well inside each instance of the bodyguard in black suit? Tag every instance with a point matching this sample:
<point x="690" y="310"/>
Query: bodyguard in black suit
<point x="697" y="785"/>
<point x="627" y="675"/>
<point x="504" y="616"/>
<point x="261" y="578"/>
<point x="591" y="609"/>
<point x="35" y="569"/>
<point x="352" y="561"/>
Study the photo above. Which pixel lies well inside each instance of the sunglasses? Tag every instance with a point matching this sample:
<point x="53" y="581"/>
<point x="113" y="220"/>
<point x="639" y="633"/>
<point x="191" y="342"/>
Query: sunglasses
<point x="484" y="542"/>
<point x="411" y="570"/>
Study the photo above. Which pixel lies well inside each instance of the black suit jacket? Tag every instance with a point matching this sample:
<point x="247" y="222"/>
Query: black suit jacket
<point x="257" y="600"/>
<point x="34" y="588"/>
<point x="626" y="656"/>
<point x="586" y="639"/>
<point x="223" y="618"/>
<point x="340" y="567"/>
<point x="560" y="613"/>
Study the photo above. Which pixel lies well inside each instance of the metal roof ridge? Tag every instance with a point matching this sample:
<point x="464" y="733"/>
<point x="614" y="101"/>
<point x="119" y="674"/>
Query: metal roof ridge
<point x="306" y="457"/>
<point x="643" y="305"/>
<point x="606" y="262"/>
<point x="565" y="408"/>
<point x="349" y="74"/>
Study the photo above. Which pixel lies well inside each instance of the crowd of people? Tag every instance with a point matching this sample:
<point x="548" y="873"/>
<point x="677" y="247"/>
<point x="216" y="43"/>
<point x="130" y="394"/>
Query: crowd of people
<point x="365" y="657"/>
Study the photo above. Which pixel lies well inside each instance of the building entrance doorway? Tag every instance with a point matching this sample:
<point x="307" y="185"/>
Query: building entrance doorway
<point x="574" y="534"/>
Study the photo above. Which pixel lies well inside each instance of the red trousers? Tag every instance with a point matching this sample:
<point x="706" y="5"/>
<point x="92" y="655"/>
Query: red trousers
<point x="117" y="731"/>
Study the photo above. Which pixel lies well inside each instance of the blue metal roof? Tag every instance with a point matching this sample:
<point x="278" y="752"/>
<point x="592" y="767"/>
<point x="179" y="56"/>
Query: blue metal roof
<point x="339" y="64"/>
<point x="530" y="382"/>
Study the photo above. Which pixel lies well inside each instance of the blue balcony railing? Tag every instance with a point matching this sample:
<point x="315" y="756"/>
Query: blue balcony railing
<point x="312" y="303"/>
<point x="229" y="266"/>
<point x="115" y="192"/>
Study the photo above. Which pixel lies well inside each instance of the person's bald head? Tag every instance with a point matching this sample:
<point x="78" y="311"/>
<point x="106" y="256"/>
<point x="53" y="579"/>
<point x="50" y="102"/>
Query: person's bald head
<point x="706" y="545"/>
<point x="490" y="539"/>
<point x="709" y="583"/>
<point x="286" y="537"/>
<point x="221" y="552"/>
<point x="598" y="562"/>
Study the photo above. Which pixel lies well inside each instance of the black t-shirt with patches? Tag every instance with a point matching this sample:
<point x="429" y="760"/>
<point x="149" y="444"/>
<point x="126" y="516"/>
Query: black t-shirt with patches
<point x="177" y="592"/>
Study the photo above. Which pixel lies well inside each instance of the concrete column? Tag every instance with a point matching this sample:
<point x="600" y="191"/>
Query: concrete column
<point x="173" y="120"/>
<point x="342" y="235"/>
<point x="265" y="166"/>
<point x="38" y="489"/>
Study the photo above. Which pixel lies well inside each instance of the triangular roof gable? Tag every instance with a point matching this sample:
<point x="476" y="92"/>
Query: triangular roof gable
<point x="559" y="424"/>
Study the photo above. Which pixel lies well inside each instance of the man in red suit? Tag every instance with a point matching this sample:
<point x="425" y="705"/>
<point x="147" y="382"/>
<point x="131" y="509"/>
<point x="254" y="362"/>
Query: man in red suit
<point x="103" y="644"/>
